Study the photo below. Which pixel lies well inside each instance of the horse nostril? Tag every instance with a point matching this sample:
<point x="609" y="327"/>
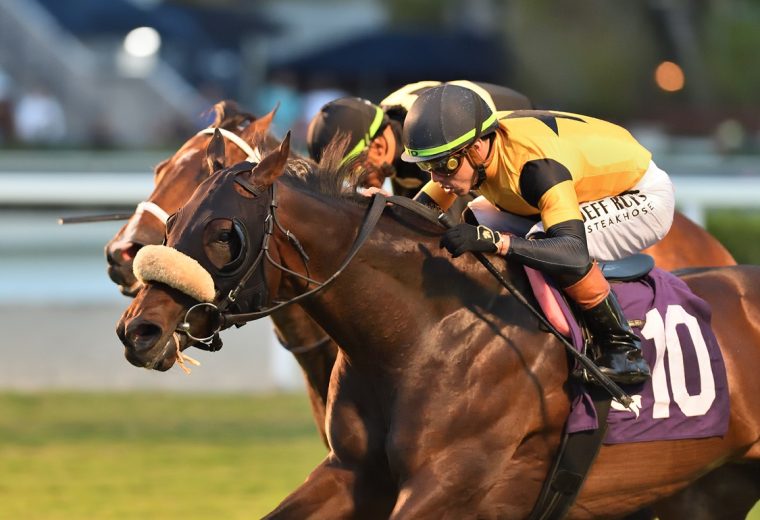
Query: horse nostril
<point x="142" y="334"/>
<point x="122" y="254"/>
<point x="128" y="254"/>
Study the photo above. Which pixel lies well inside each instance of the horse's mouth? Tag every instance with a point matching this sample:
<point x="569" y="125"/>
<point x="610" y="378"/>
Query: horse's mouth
<point x="161" y="359"/>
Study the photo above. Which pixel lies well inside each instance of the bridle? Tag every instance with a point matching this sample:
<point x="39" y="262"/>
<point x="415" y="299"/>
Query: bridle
<point x="252" y="155"/>
<point x="375" y="210"/>
<point x="224" y="319"/>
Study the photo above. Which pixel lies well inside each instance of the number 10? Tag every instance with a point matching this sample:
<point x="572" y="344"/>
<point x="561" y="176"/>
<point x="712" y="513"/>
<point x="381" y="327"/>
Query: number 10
<point x="666" y="339"/>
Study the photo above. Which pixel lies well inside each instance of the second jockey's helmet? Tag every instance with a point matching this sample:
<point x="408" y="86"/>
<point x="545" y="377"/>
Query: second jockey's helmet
<point x="354" y="117"/>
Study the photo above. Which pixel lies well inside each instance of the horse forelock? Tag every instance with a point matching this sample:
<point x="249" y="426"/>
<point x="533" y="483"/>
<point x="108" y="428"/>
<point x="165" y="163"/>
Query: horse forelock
<point x="228" y="115"/>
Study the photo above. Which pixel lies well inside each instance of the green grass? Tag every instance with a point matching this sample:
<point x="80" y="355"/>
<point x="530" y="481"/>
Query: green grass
<point x="153" y="456"/>
<point x="119" y="456"/>
<point x="739" y="231"/>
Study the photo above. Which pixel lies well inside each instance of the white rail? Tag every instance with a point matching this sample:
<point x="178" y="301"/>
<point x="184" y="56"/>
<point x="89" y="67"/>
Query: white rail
<point x="74" y="189"/>
<point x="694" y="194"/>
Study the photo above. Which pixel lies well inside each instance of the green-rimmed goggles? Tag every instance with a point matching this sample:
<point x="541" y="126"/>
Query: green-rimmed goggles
<point x="363" y="143"/>
<point x="445" y="166"/>
<point x="451" y="145"/>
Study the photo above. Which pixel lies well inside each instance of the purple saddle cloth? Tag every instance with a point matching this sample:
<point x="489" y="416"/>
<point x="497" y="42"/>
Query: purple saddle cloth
<point x="687" y="396"/>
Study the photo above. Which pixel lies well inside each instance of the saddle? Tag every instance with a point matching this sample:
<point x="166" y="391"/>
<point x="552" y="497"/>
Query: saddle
<point x="624" y="270"/>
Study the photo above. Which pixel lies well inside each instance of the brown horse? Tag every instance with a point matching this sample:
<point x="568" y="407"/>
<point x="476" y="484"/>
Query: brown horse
<point x="178" y="177"/>
<point x="452" y="401"/>
<point x="175" y="180"/>
<point x="686" y="245"/>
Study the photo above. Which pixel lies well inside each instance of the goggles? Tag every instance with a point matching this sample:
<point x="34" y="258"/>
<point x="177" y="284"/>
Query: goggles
<point x="445" y="166"/>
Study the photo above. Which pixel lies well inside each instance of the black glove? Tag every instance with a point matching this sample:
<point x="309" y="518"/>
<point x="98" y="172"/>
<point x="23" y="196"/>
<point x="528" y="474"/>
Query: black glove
<point x="466" y="237"/>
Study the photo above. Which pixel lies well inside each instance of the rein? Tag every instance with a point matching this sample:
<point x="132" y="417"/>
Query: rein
<point x="371" y="218"/>
<point x="603" y="380"/>
<point x="228" y="319"/>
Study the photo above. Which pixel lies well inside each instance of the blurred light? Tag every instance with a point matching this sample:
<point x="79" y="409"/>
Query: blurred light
<point x="142" y="42"/>
<point x="669" y="76"/>
<point x="729" y="136"/>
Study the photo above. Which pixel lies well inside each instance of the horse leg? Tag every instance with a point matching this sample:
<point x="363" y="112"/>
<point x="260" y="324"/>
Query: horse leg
<point x="334" y="491"/>
<point x="315" y="353"/>
<point x="728" y="492"/>
<point x="354" y="480"/>
<point x="317" y="364"/>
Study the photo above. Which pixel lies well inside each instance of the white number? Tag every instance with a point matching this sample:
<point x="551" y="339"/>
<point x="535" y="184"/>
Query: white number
<point x="665" y="338"/>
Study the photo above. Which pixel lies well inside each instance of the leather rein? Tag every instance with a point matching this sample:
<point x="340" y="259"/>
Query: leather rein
<point x="375" y="210"/>
<point x="271" y="222"/>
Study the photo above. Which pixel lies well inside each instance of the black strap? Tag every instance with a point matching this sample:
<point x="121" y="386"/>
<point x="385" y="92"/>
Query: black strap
<point x="373" y="215"/>
<point x="578" y="450"/>
<point x="573" y="460"/>
<point x="599" y="377"/>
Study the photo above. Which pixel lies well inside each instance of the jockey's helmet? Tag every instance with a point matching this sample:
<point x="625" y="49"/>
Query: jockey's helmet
<point x="443" y="120"/>
<point x="354" y="117"/>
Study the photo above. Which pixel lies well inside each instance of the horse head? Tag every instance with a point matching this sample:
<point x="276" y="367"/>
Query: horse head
<point x="212" y="261"/>
<point x="175" y="180"/>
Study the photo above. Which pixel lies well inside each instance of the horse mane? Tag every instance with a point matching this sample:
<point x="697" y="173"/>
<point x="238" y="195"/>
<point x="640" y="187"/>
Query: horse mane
<point x="328" y="178"/>
<point x="229" y="115"/>
<point x="336" y="183"/>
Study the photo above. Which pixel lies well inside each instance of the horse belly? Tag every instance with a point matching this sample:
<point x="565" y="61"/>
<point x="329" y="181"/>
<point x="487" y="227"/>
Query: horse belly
<point x="734" y="296"/>
<point x="627" y="477"/>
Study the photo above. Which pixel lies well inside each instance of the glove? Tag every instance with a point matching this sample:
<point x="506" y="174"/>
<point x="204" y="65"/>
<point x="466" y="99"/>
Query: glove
<point x="466" y="237"/>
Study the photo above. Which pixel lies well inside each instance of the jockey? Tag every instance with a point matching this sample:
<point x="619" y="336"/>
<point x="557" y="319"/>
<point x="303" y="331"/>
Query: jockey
<point x="376" y="130"/>
<point x="584" y="189"/>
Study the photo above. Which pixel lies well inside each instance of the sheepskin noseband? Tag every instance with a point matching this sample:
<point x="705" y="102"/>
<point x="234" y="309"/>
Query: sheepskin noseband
<point x="167" y="265"/>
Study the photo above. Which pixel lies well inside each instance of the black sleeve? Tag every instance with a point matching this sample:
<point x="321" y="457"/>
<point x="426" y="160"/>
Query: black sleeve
<point x="563" y="254"/>
<point x="427" y="200"/>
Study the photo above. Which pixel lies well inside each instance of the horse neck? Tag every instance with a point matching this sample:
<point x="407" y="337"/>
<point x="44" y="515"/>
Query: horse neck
<point x="399" y="288"/>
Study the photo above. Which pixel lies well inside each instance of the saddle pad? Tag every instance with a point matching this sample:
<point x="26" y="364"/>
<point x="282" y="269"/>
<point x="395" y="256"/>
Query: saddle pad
<point x="687" y="396"/>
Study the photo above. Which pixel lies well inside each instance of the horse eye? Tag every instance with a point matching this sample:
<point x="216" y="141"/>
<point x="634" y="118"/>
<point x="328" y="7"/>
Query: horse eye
<point x="233" y="240"/>
<point x="225" y="245"/>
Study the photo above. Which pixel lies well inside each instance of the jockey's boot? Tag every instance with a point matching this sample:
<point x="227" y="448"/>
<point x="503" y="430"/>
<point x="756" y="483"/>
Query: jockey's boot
<point x="621" y="358"/>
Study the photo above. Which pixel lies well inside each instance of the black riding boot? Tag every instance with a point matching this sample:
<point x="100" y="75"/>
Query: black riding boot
<point x="620" y="359"/>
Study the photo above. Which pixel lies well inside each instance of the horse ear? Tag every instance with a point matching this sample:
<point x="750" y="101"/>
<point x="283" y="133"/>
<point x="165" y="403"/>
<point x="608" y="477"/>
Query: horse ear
<point x="260" y="125"/>
<point x="272" y="165"/>
<point x="215" y="156"/>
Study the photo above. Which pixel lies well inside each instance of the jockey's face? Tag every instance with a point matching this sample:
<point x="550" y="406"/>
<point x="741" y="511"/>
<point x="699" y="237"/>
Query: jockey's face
<point x="380" y="153"/>
<point x="459" y="176"/>
<point x="460" y="182"/>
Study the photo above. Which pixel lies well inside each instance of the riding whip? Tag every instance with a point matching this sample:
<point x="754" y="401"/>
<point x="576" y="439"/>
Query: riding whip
<point x="603" y="380"/>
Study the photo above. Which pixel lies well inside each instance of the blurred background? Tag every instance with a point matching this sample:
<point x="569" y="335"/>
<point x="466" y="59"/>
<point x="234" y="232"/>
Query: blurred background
<point x="94" y="94"/>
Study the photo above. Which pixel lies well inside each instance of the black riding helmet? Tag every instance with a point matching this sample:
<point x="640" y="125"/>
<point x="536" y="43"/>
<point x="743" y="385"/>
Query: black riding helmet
<point x="445" y="119"/>
<point x="355" y="117"/>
